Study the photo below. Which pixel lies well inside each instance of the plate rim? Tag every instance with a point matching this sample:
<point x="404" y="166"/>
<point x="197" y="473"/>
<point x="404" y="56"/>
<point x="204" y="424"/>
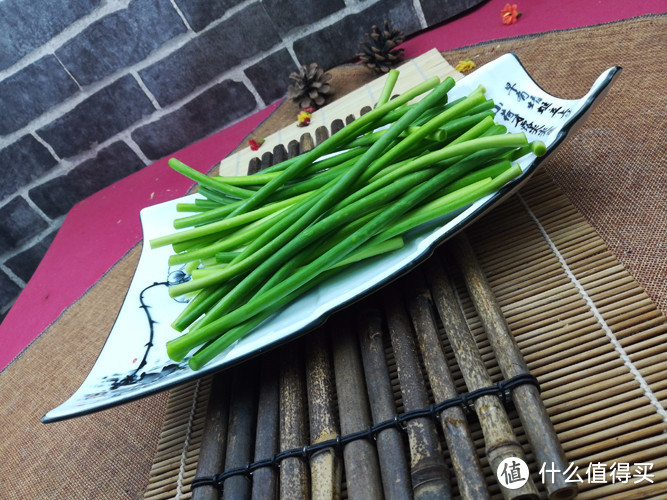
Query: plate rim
<point x="585" y="105"/>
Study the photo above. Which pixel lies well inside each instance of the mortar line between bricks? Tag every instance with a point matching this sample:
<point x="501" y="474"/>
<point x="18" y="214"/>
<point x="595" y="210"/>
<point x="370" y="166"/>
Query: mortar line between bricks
<point x="232" y="11"/>
<point x="5" y="309"/>
<point x="290" y="48"/>
<point x="182" y="16"/>
<point x="420" y="13"/>
<point x="41" y="213"/>
<point x="69" y="73"/>
<point x="301" y="31"/>
<point x="135" y="147"/>
<point x="6" y="269"/>
<point x="30" y="242"/>
<point x="59" y="39"/>
<point x="165" y="51"/>
<point x="90" y="90"/>
<point x="68" y="105"/>
<point x="245" y="80"/>
<point x="146" y="90"/>
<point x="160" y="112"/>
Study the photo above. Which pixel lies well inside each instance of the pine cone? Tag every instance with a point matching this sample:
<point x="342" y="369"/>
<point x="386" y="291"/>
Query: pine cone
<point x="379" y="51"/>
<point x="309" y="88"/>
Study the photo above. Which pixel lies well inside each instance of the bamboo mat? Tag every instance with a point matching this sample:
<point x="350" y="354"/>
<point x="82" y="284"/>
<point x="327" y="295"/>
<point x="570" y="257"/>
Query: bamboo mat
<point x="588" y="332"/>
<point x="586" y="329"/>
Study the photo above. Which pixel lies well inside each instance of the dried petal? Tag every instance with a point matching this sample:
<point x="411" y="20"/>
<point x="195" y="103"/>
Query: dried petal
<point x="509" y="14"/>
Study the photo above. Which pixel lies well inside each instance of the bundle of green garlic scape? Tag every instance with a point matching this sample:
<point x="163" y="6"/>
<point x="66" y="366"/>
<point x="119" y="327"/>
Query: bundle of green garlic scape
<point x="252" y="244"/>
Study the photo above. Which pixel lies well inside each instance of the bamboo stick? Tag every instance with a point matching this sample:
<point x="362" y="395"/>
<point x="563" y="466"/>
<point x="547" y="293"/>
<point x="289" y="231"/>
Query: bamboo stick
<point x="362" y="470"/>
<point x="294" y="481"/>
<point x="241" y="430"/>
<point x="325" y="468"/>
<point x="499" y="439"/>
<point x="586" y="372"/>
<point x="390" y="445"/>
<point x="629" y="491"/>
<point x="633" y="397"/>
<point x="465" y="463"/>
<point x="265" y="479"/>
<point x="548" y="338"/>
<point x="430" y="475"/>
<point x="614" y="435"/>
<point x="585" y="427"/>
<point x="214" y="438"/>
<point x="573" y="354"/>
<point x="526" y="398"/>
<point x="165" y="467"/>
<point x="584" y="403"/>
<point x="641" y="449"/>
<point x="582" y="387"/>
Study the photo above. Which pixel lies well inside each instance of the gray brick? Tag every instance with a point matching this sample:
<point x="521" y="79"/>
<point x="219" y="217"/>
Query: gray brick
<point x="339" y="42"/>
<point x="30" y="92"/>
<point x="120" y="39"/>
<point x="26" y="25"/>
<point x="25" y="263"/>
<point x="290" y="14"/>
<point x="23" y="161"/>
<point x="209" y="112"/>
<point x="270" y="75"/>
<point x="57" y="196"/>
<point x="104" y="114"/>
<point x="18" y="223"/>
<point x="209" y="55"/>
<point x="437" y="11"/>
<point x="201" y="13"/>
<point x="8" y="291"/>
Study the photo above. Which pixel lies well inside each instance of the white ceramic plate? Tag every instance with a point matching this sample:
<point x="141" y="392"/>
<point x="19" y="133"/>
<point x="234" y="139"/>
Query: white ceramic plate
<point x="134" y="362"/>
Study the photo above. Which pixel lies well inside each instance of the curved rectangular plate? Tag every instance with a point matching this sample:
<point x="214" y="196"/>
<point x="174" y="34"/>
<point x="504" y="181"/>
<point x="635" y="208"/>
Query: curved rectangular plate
<point x="134" y="363"/>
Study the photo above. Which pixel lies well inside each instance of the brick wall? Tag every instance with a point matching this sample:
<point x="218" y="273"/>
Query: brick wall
<point x="93" y="90"/>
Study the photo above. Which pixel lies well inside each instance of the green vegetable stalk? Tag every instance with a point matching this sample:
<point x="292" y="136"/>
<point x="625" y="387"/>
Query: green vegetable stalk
<point x="255" y="243"/>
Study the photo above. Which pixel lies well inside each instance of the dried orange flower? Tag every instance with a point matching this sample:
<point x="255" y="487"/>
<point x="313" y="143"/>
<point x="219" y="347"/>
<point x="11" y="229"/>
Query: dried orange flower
<point x="510" y="14"/>
<point x="304" y="117"/>
<point x="465" y="65"/>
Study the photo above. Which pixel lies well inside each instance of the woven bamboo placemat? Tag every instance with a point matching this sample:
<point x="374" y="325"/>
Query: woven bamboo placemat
<point x="614" y="169"/>
<point x="587" y="330"/>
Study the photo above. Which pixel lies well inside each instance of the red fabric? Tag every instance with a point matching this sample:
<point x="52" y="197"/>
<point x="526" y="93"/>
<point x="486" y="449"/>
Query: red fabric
<point x="537" y="16"/>
<point x="101" y="229"/>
